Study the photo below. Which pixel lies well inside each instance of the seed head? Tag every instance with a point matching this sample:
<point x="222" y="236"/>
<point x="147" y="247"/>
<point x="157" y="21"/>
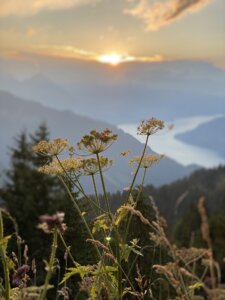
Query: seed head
<point x="51" y="148"/>
<point x="147" y="160"/>
<point x="90" y="166"/>
<point x="67" y="165"/>
<point x="150" y="126"/>
<point x="97" y="142"/>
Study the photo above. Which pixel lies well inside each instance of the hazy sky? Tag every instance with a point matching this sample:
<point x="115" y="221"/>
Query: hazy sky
<point x="144" y="30"/>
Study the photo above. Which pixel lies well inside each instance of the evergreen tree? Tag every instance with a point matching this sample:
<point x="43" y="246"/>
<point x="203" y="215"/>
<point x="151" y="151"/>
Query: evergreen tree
<point x="29" y="193"/>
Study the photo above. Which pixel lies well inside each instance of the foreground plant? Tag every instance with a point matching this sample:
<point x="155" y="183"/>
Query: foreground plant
<point x="111" y="243"/>
<point x="5" y="261"/>
<point x="117" y="249"/>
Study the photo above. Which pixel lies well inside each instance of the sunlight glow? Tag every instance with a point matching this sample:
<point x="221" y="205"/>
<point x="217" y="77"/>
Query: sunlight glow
<point x="114" y="59"/>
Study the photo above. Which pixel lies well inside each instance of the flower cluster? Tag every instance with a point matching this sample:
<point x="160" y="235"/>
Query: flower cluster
<point x="147" y="161"/>
<point x="90" y="166"/>
<point x="150" y="126"/>
<point x="97" y="142"/>
<point x="51" y="148"/>
<point x="49" y="223"/>
<point x="67" y="165"/>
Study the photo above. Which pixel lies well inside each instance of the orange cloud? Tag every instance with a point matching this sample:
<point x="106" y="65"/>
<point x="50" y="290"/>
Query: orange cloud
<point x="69" y="51"/>
<point x="160" y="14"/>
<point x="32" y="7"/>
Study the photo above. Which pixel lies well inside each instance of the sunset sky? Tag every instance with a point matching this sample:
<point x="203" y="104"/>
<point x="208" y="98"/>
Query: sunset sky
<point x="115" y="30"/>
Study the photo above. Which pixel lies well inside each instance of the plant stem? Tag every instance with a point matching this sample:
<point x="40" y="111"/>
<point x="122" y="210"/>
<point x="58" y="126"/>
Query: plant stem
<point x="50" y="265"/>
<point x="119" y="273"/>
<point x="67" y="248"/>
<point x="77" y="185"/>
<point x="96" y="192"/>
<point x="103" y="186"/>
<point x="137" y="170"/>
<point x="80" y="214"/>
<point x="4" y="260"/>
<point x="137" y="200"/>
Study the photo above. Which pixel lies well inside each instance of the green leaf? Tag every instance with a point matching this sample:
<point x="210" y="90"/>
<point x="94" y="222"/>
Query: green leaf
<point x="81" y="270"/>
<point x="4" y="241"/>
<point x="100" y="223"/>
<point x="121" y="214"/>
<point x="195" y="286"/>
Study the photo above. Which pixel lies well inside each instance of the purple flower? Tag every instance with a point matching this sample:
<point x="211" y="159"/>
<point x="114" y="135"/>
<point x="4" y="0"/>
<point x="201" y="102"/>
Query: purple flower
<point x="49" y="223"/>
<point x="20" y="274"/>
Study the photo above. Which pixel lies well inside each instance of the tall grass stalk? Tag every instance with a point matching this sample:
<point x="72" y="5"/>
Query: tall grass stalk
<point x="4" y="259"/>
<point x="80" y="214"/>
<point x="50" y="266"/>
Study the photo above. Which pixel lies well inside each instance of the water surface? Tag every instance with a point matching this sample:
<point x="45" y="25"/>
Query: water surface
<point x="165" y="142"/>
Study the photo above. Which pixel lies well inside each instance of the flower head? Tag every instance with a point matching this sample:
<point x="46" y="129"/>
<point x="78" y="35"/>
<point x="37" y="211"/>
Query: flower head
<point x="51" y="148"/>
<point x="90" y="166"/>
<point x="97" y="142"/>
<point x="150" y="126"/>
<point x="20" y="275"/>
<point x="67" y="165"/>
<point x="147" y="160"/>
<point x="125" y="153"/>
<point x="49" y="223"/>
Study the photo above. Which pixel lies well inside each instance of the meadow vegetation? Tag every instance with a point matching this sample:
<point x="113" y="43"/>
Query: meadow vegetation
<point x="58" y="242"/>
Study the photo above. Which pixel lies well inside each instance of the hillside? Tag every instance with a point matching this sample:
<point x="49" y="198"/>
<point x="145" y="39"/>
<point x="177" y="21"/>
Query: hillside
<point x="176" y="199"/>
<point x="17" y="114"/>
<point x="209" y="135"/>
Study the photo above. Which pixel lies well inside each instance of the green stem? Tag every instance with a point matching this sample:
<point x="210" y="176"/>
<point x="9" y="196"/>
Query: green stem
<point x="50" y="265"/>
<point x="137" y="200"/>
<point x="4" y="260"/>
<point x="78" y="186"/>
<point x="137" y="170"/>
<point x="119" y="272"/>
<point x="67" y="248"/>
<point x="103" y="187"/>
<point x="80" y="214"/>
<point x="96" y="192"/>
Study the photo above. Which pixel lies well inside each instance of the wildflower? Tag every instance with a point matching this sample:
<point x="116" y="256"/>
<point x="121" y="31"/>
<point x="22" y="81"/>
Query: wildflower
<point x="147" y="160"/>
<point x="90" y="166"/>
<point x="87" y="284"/>
<point x="49" y="223"/>
<point x="20" y="275"/>
<point x="150" y="126"/>
<point x="125" y="153"/>
<point x="67" y="165"/>
<point x="97" y="142"/>
<point x="51" y="148"/>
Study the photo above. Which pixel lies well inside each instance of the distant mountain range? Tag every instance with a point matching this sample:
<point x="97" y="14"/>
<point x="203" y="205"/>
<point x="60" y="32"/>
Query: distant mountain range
<point x="17" y="114"/>
<point x="123" y="94"/>
<point x="210" y="135"/>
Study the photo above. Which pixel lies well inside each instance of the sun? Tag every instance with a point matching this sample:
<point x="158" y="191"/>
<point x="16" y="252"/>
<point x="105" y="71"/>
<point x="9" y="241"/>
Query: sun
<point x="113" y="59"/>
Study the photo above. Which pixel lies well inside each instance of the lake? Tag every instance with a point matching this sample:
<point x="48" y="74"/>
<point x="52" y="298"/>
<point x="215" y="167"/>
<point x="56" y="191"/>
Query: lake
<point x="165" y="142"/>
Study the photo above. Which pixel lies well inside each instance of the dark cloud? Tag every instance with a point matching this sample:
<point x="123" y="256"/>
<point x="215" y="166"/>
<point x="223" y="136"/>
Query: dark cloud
<point x="161" y="14"/>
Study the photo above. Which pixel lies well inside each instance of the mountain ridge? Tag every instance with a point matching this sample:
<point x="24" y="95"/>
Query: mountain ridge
<point x="17" y="114"/>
